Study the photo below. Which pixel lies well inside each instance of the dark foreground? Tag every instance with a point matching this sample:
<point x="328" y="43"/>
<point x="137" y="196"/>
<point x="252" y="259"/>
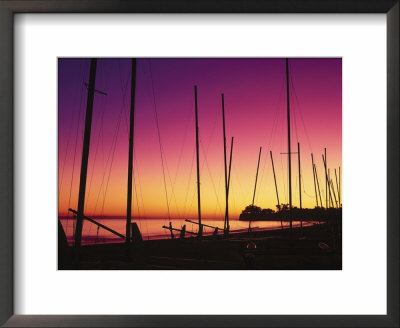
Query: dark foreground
<point x="317" y="247"/>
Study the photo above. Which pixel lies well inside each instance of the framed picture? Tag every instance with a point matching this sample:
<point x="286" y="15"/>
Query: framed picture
<point x="225" y="164"/>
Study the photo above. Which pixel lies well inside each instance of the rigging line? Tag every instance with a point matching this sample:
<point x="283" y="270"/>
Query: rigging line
<point x="74" y="160"/>
<point x="303" y="183"/>
<point x="111" y="151"/>
<point x="104" y="103"/>
<point x="263" y="170"/>
<point x="172" y="186"/>
<point x="221" y="213"/>
<point x="159" y="138"/>
<point x="193" y="198"/>
<point x="95" y="155"/>
<point x="136" y="198"/>
<point x="182" y="147"/>
<point x="294" y="107"/>
<point x="276" y="114"/>
<point x="261" y="179"/>
<point x="206" y="151"/>
<point x="282" y="175"/>
<point x="188" y="184"/>
<point x="277" y="104"/>
<point x="66" y="152"/>
<point x="123" y="91"/>
<point x="301" y="117"/>
<point x="113" y="145"/>
<point x="102" y="180"/>
<point x="233" y="194"/>
<point x="237" y="178"/>
<point x="70" y="129"/>
<point x="102" y="140"/>
<point x="137" y="171"/>
<point x="102" y="129"/>
<point x="111" y="164"/>
<point x="86" y="74"/>
<point x="207" y="148"/>
<point x="212" y="180"/>
<point x="310" y="196"/>
<point x="295" y="196"/>
<point x="321" y="185"/>
<point x="101" y="68"/>
<point x="101" y="133"/>
<point x="212" y="131"/>
<point x="218" y="188"/>
<point x="215" y="211"/>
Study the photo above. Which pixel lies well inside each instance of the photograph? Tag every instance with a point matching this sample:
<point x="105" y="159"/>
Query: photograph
<point x="199" y="163"/>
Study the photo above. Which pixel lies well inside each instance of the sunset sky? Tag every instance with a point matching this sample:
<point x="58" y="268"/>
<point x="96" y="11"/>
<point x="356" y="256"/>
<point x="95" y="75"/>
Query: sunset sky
<point x="255" y="109"/>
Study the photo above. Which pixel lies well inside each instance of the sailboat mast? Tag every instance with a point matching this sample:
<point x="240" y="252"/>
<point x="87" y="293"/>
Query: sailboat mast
<point x="340" y="188"/>
<point x="326" y="179"/>
<point x="276" y="186"/>
<point x="337" y="187"/>
<point x="298" y="156"/>
<point x="229" y="183"/>
<point x="319" y="190"/>
<point x="229" y="171"/>
<point x="289" y="146"/>
<point x="85" y="152"/>
<point x="255" y="184"/>
<point x="315" y="184"/>
<point x="331" y="187"/>
<point x="130" y="159"/>
<point x="197" y="159"/>
<point x="328" y="190"/>
<point x="225" y="165"/>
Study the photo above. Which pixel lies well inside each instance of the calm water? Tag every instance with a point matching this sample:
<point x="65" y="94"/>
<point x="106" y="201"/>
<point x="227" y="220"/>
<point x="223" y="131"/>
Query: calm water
<point x="152" y="228"/>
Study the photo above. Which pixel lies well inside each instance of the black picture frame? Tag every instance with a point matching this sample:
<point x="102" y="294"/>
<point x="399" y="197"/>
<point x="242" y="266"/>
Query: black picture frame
<point x="7" y="10"/>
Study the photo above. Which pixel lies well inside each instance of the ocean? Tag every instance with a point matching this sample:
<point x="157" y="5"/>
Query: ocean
<point x="152" y="228"/>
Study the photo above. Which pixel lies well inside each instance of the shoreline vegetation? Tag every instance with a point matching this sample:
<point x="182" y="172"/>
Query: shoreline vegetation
<point x="255" y="213"/>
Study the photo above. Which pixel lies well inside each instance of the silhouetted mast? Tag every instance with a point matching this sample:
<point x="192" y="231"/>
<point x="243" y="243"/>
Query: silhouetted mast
<point x="226" y="222"/>
<point x="340" y="186"/>
<point x="319" y="190"/>
<point x="255" y="183"/>
<point x="229" y="182"/>
<point x="328" y="188"/>
<point x="298" y="156"/>
<point x="337" y="187"/>
<point x="326" y="179"/>
<point x="85" y="152"/>
<point x="333" y="188"/>
<point x="276" y="186"/>
<point x="315" y="184"/>
<point x="230" y="165"/>
<point x="197" y="160"/>
<point x="289" y="146"/>
<point x="130" y="159"/>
